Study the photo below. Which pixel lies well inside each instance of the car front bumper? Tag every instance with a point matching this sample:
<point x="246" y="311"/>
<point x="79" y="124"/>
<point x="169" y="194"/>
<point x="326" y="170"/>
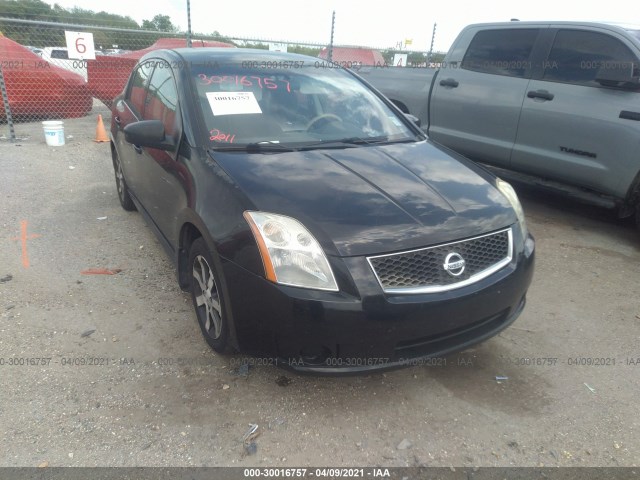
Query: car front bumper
<point x="361" y="328"/>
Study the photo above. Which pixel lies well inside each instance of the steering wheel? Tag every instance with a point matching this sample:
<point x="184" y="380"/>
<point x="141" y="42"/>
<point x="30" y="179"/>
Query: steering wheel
<point x="322" y="117"/>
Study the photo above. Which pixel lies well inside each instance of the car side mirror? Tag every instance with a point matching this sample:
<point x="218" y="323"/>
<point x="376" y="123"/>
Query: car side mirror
<point x="618" y="75"/>
<point x="414" y="119"/>
<point x="149" y="133"/>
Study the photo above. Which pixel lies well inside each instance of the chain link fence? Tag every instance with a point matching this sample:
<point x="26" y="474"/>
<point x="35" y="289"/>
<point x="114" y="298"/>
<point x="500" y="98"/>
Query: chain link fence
<point x="39" y="81"/>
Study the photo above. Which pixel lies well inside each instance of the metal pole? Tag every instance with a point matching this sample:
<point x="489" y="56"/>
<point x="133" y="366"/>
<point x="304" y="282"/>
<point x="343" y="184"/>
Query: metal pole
<point x="7" y="109"/>
<point x="333" y="24"/>
<point x="189" y="44"/>
<point x="433" y="37"/>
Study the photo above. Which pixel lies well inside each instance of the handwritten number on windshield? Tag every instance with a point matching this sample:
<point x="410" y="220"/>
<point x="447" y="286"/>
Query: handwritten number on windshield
<point x="245" y="80"/>
<point x="217" y="136"/>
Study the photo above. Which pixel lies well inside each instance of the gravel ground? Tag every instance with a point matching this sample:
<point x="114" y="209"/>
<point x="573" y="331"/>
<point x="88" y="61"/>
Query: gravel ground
<point x="117" y="374"/>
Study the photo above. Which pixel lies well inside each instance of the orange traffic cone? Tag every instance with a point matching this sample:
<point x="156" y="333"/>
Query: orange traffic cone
<point x="101" y="133"/>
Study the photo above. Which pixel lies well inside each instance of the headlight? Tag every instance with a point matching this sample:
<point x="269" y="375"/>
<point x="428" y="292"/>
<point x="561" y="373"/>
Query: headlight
<point x="507" y="190"/>
<point x="291" y="255"/>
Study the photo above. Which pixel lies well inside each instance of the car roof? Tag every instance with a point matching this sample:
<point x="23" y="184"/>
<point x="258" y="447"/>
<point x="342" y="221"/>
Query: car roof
<point x="229" y="55"/>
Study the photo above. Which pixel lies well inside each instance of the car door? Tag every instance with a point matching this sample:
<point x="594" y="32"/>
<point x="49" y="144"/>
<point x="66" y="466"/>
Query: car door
<point x="128" y="110"/>
<point x="475" y="107"/>
<point x="574" y="130"/>
<point x="162" y="181"/>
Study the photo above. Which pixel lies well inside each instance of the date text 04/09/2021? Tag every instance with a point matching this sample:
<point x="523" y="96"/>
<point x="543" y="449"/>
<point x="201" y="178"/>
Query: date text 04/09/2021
<point x="315" y="472"/>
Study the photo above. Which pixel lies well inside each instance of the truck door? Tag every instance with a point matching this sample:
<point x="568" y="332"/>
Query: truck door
<point x="476" y="102"/>
<point x="574" y="129"/>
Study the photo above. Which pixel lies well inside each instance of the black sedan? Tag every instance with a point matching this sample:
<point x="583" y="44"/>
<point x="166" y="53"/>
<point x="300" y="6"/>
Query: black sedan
<point x="314" y="224"/>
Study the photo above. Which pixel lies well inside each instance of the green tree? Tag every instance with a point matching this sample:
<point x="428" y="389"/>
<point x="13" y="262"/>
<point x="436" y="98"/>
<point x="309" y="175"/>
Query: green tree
<point x="160" y="23"/>
<point x="416" y="58"/>
<point x="437" y="57"/>
<point x="311" y="51"/>
<point x="47" y="36"/>
<point x="82" y="16"/>
<point x="27" y="9"/>
<point x="217" y="36"/>
<point x="259" y="46"/>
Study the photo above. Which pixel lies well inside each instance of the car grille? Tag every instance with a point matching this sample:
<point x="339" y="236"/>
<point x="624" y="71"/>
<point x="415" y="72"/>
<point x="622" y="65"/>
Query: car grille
<point x="423" y="271"/>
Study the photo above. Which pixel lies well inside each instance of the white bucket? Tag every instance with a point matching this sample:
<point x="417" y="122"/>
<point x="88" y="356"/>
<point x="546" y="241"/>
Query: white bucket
<point x="54" y="132"/>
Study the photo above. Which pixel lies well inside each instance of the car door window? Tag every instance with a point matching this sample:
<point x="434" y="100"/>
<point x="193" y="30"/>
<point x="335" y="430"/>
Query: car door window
<point x="578" y="55"/>
<point x="501" y="52"/>
<point x="136" y="91"/>
<point x="161" y="102"/>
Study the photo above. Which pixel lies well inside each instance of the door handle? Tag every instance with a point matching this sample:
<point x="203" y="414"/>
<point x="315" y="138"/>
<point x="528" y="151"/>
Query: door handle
<point x="137" y="148"/>
<point x="449" y="82"/>
<point x="629" y="115"/>
<point x="117" y="120"/>
<point x="543" y="94"/>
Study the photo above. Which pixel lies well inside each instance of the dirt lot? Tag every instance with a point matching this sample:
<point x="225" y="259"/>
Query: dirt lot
<point x="112" y="370"/>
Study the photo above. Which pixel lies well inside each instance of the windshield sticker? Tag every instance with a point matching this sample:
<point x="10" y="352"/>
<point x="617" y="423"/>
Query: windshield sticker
<point x="233" y="103"/>
<point x="245" y="81"/>
<point x="217" y="136"/>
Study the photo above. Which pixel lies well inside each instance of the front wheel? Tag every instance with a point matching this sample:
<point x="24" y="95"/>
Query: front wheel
<point x="207" y="297"/>
<point x="121" y="185"/>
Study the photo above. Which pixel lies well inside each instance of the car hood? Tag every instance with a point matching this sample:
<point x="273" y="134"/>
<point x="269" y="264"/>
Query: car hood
<point x="372" y="199"/>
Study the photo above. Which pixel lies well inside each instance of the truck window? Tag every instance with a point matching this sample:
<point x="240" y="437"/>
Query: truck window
<point x="501" y="52"/>
<point x="577" y="55"/>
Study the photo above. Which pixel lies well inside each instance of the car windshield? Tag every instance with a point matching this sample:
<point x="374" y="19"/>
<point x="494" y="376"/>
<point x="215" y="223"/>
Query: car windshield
<point x="313" y="106"/>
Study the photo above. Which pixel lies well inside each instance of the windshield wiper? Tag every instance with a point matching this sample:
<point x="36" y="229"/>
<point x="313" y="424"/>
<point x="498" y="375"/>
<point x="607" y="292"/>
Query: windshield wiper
<point x="275" y="146"/>
<point x="257" y="147"/>
<point x="269" y="146"/>
<point x="354" y="142"/>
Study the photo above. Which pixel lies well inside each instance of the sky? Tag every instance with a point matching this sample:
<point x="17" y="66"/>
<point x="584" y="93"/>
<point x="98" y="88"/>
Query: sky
<point x="358" y="22"/>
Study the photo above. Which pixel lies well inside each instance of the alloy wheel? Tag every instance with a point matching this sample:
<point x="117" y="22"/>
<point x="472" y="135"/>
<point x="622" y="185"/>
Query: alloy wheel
<point x="206" y="297"/>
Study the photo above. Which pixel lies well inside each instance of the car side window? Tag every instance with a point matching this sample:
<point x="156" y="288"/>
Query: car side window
<point x="161" y="102"/>
<point x="577" y="55"/>
<point x="501" y="52"/>
<point x="136" y="91"/>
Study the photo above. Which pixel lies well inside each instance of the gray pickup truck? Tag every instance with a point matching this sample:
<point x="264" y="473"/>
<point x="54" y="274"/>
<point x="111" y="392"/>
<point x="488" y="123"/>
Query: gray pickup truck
<point x="555" y="104"/>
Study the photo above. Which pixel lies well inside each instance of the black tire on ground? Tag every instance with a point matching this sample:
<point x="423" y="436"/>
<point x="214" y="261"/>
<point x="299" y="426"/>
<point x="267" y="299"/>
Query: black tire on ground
<point x="208" y="299"/>
<point x="121" y="185"/>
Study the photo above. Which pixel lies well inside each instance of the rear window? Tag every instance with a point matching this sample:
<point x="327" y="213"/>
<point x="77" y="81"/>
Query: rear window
<point x="501" y="52"/>
<point x="61" y="54"/>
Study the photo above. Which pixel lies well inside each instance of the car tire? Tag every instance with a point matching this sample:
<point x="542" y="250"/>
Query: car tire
<point x="207" y="297"/>
<point x="121" y="185"/>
